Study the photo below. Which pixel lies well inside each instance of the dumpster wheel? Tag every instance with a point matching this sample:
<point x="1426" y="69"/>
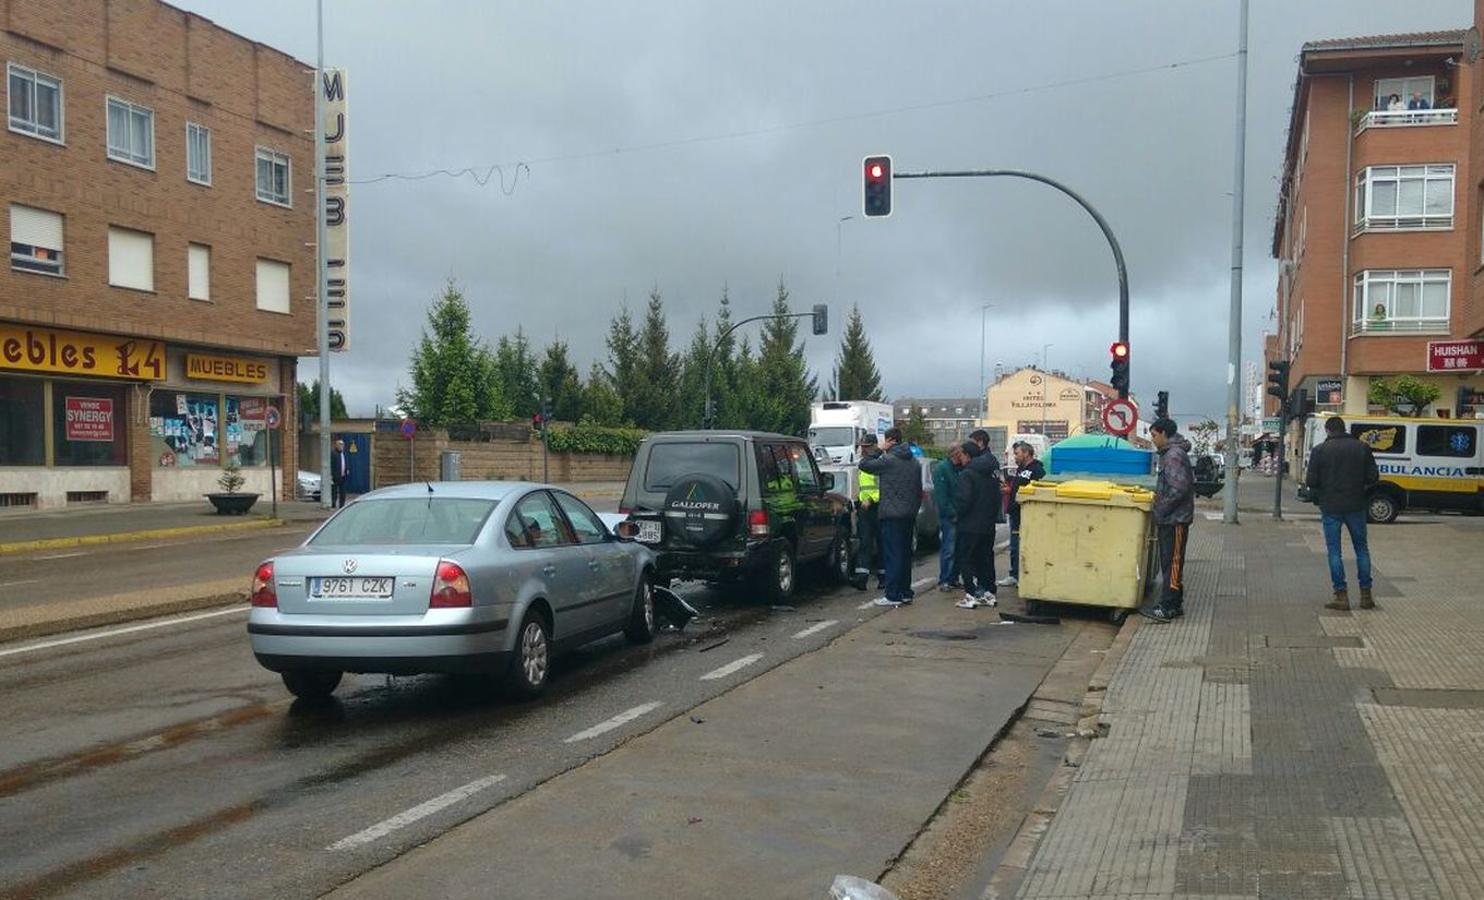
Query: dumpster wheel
<point x="1117" y="615"/>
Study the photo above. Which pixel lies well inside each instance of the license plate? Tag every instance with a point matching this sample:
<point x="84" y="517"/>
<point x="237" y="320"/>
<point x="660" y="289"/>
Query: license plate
<point x="649" y="531"/>
<point x="350" y="586"/>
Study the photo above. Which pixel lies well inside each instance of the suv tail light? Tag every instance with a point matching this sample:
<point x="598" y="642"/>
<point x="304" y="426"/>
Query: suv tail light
<point x="450" y="587"/>
<point x="757" y="523"/>
<point x="624" y="510"/>
<point x="263" y="593"/>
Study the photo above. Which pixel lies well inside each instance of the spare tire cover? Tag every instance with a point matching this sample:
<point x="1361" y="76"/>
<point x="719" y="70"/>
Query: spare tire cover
<point x="700" y="509"/>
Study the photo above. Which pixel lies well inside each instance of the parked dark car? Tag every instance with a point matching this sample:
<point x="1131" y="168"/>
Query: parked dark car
<point x="737" y="507"/>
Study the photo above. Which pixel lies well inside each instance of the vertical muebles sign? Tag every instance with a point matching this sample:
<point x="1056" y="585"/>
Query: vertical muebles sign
<point x="336" y="211"/>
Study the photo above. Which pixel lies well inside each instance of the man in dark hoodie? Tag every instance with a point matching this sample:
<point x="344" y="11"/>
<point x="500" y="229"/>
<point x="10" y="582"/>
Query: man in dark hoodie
<point x="1342" y="472"/>
<point x="1174" y="510"/>
<point x="899" y="476"/>
<point x="978" y="503"/>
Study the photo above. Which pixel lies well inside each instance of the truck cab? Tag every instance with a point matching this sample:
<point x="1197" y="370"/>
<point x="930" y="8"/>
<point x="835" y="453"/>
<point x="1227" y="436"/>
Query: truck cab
<point x="837" y="426"/>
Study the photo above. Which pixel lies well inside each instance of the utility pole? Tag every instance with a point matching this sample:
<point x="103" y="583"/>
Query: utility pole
<point x="1234" y="325"/>
<point x="322" y="294"/>
<point x="983" y="389"/>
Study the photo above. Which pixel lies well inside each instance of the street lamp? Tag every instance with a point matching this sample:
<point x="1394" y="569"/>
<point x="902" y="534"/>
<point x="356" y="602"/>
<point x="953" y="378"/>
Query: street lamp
<point x="983" y="403"/>
<point x="1044" y="373"/>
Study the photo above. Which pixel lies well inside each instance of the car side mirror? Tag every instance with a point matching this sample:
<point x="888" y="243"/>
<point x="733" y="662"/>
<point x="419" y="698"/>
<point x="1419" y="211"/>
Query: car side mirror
<point x="626" y="531"/>
<point x="827" y="480"/>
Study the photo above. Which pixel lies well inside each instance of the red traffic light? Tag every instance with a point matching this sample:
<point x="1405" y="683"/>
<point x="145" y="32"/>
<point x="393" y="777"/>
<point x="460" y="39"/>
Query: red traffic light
<point x="875" y="171"/>
<point x="1119" y="350"/>
<point x="877" y="194"/>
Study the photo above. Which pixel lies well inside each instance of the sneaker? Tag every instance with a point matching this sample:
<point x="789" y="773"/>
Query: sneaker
<point x="1008" y="581"/>
<point x="1156" y="614"/>
<point x="1178" y="612"/>
<point x="968" y="602"/>
<point x="883" y="601"/>
<point x="988" y="600"/>
<point x="945" y="587"/>
<point x="906" y="601"/>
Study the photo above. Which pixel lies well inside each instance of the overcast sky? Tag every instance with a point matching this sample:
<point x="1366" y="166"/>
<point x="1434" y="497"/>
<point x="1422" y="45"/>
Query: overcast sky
<point x="700" y="145"/>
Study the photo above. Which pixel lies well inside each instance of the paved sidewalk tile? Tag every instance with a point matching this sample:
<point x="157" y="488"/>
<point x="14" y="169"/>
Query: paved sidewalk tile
<point x="1265" y="747"/>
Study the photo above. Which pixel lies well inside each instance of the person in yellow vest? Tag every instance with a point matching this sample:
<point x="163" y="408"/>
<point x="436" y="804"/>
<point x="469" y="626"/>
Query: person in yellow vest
<point x="866" y="525"/>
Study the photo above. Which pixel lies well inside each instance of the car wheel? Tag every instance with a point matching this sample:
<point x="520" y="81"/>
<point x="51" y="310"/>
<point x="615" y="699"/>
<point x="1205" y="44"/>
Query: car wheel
<point x="640" y="629"/>
<point x="313" y="685"/>
<point x="837" y="561"/>
<point x="779" y="573"/>
<point x="530" y="664"/>
<point x="1382" y="508"/>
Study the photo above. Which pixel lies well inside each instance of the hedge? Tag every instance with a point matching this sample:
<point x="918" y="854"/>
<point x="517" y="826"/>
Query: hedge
<point x="595" y="439"/>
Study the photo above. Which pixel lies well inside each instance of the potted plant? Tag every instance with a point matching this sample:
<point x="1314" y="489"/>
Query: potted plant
<point x="231" y="502"/>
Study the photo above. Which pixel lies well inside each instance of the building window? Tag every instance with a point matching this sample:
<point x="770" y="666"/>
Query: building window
<point x="35" y="240"/>
<point x="89" y="425"/>
<point x="35" y="103"/>
<point x="273" y="286"/>
<point x="198" y="153"/>
<point x="1404" y="197"/>
<point x="131" y="133"/>
<point x="131" y="259"/>
<point x="1407" y="301"/>
<point x="22" y="435"/>
<point x="247" y="431"/>
<point x="198" y="268"/>
<point x="184" y="429"/>
<point x="274" y="177"/>
<point x="1403" y="88"/>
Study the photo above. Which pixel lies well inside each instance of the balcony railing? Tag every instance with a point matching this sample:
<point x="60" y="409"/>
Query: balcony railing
<point x="1403" y="223"/>
<point x="1399" y="326"/>
<point x="1406" y="118"/>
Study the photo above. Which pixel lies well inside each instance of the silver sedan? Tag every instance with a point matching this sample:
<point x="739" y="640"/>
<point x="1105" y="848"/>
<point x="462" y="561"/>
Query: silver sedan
<point x="448" y="577"/>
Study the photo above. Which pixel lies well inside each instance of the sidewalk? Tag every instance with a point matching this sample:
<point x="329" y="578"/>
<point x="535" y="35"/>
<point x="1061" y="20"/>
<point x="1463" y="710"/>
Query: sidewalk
<point x="1265" y="747"/>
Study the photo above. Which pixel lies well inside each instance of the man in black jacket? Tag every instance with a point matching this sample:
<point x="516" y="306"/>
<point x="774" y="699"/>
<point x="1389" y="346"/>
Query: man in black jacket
<point x="1027" y="469"/>
<point x="977" y="503"/>
<point x="900" y="479"/>
<point x="1174" y="511"/>
<point x="1342" y="471"/>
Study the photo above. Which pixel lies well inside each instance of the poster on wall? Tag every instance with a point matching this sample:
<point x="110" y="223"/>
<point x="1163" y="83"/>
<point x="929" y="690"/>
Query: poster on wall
<point x="191" y="436"/>
<point x="89" y="419"/>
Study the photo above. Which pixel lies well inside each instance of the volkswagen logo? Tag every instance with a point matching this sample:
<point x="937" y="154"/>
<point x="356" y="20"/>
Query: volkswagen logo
<point x="349" y="566"/>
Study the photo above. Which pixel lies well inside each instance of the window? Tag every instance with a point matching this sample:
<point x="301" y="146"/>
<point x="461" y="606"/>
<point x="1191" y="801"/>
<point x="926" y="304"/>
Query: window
<point x="198" y="153"/>
<point x="589" y="528"/>
<point x="669" y="462"/>
<point x="1383" y="439"/>
<point x="35" y="103"/>
<point x="274" y="181"/>
<point x="437" y="520"/>
<point x="35" y="240"/>
<point x="1458" y="441"/>
<point x="1402" y="301"/>
<point x="804" y="469"/>
<point x="184" y="429"/>
<point x="273" y="286"/>
<point x="131" y="133"/>
<point x="198" y="272"/>
<point x="22" y="435"/>
<point x="89" y="427"/>
<point x="535" y="522"/>
<point x="131" y="259"/>
<point x="246" y="431"/>
<point x="1403" y="88"/>
<point x="1397" y="197"/>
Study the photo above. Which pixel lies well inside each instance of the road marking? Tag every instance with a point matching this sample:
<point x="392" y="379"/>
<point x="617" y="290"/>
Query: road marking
<point x="923" y="582"/>
<point x="622" y="718"/>
<point x="62" y="642"/>
<point x="421" y="811"/>
<point x="735" y="665"/>
<point x="19" y="583"/>
<point x="816" y="628"/>
<point x="62" y="555"/>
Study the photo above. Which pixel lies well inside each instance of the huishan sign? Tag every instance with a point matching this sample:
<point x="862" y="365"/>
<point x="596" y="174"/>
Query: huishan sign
<point x="28" y="349"/>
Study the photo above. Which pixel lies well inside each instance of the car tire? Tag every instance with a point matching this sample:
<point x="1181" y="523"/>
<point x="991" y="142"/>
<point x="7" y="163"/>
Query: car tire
<point x="1382" y="508"/>
<point x="312" y="685"/>
<point x="837" y="560"/>
<point x="779" y="574"/>
<point x="641" y="627"/>
<point x="530" y="660"/>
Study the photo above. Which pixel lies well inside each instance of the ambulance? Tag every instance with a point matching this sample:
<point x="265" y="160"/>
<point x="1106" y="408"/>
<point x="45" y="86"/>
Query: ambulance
<point x="1425" y="464"/>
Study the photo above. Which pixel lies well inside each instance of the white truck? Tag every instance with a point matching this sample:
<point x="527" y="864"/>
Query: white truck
<point x="836" y="427"/>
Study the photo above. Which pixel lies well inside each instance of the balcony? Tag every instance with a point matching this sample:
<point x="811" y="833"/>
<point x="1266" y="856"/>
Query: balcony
<point x="1375" y="326"/>
<point x="1405" y="118"/>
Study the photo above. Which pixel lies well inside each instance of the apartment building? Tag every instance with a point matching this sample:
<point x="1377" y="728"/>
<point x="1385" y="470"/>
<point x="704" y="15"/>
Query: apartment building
<point x="161" y="275"/>
<point x="1376" y="245"/>
<point x="949" y="419"/>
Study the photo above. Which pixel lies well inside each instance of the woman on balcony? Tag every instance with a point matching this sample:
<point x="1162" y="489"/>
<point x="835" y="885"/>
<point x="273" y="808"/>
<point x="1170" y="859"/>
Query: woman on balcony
<point x="1394" y="103"/>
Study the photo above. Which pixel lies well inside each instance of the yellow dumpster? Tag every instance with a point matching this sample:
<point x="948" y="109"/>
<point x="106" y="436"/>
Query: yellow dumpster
<point x="1085" y="542"/>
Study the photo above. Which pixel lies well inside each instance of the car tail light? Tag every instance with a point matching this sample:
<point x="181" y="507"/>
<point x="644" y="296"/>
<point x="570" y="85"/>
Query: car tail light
<point x="623" y="510"/>
<point x="263" y="593"/>
<point x="757" y="523"/>
<point x="450" y="587"/>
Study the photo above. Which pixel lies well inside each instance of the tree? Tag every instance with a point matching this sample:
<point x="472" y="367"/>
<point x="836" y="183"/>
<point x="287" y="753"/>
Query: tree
<point x="655" y="400"/>
<point x="1404" y="395"/>
<point x="693" y="377"/>
<point x="916" y="429"/>
<point x="309" y="401"/>
<point x="601" y="404"/>
<point x="856" y="376"/>
<point x="623" y="359"/>
<point x="560" y="383"/>
<point x="453" y="374"/>
<point x="783" y="389"/>
<point x="515" y="369"/>
<point x="1203" y="436"/>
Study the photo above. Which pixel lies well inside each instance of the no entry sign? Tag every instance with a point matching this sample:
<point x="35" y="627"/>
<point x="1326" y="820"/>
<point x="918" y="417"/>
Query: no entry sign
<point x="1119" y="416"/>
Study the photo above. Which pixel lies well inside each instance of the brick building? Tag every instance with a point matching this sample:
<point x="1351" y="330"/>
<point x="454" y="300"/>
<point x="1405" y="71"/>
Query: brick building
<point x="1376" y="244"/>
<point x="949" y="419"/>
<point x="161" y="274"/>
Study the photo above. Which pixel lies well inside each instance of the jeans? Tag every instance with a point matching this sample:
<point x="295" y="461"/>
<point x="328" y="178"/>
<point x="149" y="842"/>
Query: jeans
<point x="1015" y="543"/>
<point x="896" y="552"/>
<point x="1354" y="522"/>
<point x="947" y="533"/>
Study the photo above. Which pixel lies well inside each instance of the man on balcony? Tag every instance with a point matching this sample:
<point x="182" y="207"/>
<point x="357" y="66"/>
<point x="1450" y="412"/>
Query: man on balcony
<point x="1418" y="101"/>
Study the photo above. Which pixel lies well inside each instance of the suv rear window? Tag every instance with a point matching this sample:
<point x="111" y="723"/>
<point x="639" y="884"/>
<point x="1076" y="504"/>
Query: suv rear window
<point x="668" y="463"/>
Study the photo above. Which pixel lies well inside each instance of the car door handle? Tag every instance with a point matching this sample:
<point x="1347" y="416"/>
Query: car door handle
<point x="549" y="568"/>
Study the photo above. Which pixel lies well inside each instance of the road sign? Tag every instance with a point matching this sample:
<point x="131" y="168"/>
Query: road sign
<point x="1329" y="392"/>
<point x="1455" y="356"/>
<point x="272" y="417"/>
<point x="409" y="428"/>
<point x="1119" y="416"/>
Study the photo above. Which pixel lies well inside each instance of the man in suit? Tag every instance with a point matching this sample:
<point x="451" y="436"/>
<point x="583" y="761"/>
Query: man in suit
<point x="339" y="469"/>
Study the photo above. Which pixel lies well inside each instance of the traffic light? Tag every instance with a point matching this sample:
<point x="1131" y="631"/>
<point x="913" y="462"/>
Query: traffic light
<point x="1162" y="405"/>
<point x="821" y="319"/>
<point x="877" y="200"/>
<point x="1302" y="405"/>
<point x="1119" y="351"/>
<point x="1278" y="381"/>
<point x="538" y="424"/>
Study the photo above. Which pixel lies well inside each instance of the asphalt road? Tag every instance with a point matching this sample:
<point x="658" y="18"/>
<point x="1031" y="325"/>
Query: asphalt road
<point x="164" y="762"/>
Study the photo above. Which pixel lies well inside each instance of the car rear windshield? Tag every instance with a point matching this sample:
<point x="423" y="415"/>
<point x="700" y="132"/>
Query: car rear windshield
<point x="832" y="436"/>
<point x="668" y="463"/>
<point x="407" y="520"/>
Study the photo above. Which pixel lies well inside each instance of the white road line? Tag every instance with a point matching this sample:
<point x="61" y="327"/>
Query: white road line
<point x="4" y="584"/>
<point x="816" y="628"/>
<point x="923" y="582"/>
<point x="420" y="811"/>
<point x="867" y="605"/>
<point x="735" y="665"/>
<point x="47" y="645"/>
<point x="622" y="718"/>
<point x="60" y="555"/>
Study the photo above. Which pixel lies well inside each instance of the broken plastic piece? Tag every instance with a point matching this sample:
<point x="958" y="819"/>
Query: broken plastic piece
<point x="849" y="887"/>
<point x="668" y="605"/>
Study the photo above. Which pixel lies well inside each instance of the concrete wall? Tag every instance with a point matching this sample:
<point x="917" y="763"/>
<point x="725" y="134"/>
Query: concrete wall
<point x="51" y="485"/>
<point x="496" y="460"/>
<point x="174" y="485"/>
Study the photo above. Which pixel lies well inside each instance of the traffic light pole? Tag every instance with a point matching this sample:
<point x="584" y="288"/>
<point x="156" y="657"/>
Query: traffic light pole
<point x="1092" y="211"/>
<point x="707" y="418"/>
<point x="1282" y="452"/>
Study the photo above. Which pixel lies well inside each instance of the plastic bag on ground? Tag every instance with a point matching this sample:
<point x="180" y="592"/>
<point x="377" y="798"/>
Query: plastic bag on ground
<point x="849" y="887"/>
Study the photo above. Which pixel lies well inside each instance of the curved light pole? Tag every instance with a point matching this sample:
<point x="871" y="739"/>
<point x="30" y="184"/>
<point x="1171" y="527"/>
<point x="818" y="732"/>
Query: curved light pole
<point x="707" y="414"/>
<point x="983" y="402"/>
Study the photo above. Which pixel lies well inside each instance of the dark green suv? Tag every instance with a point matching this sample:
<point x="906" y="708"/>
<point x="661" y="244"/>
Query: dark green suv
<point x="737" y="507"/>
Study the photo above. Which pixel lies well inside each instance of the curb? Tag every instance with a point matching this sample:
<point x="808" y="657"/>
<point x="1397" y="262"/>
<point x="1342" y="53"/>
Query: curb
<point x="117" y="616"/>
<point x="124" y="536"/>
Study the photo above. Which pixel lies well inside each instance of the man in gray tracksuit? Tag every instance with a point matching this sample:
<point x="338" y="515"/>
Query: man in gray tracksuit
<point x="1174" y="510"/>
<point x="900" y="479"/>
